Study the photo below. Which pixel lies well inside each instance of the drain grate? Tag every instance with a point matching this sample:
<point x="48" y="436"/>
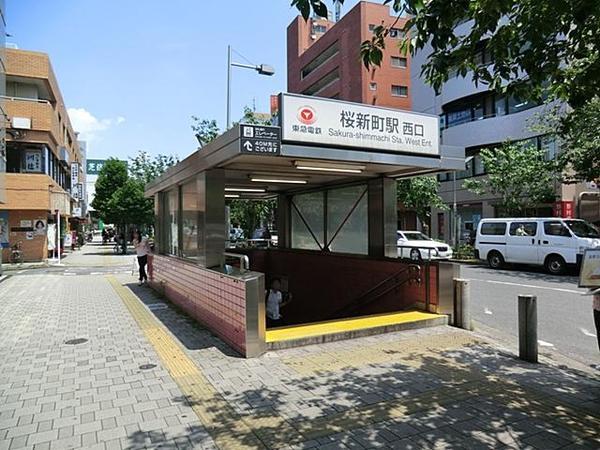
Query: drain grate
<point x="147" y="366"/>
<point x="76" y="341"/>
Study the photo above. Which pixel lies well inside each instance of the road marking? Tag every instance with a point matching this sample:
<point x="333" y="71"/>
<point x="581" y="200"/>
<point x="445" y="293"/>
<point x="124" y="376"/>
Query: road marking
<point x="587" y="332"/>
<point x="96" y="273"/>
<point x="570" y="291"/>
<point x="488" y="311"/>
<point x="69" y="273"/>
<point x="545" y="344"/>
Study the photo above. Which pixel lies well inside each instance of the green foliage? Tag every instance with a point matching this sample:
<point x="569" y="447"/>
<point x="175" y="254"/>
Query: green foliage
<point x="249" y="214"/>
<point x="580" y="132"/>
<point x="205" y="130"/>
<point x="464" y="251"/>
<point x="520" y="176"/>
<point x="420" y="194"/>
<point x="112" y="176"/>
<point x="144" y="168"/>
<point x="127" y="205"/>
<point x="250" y="117"/>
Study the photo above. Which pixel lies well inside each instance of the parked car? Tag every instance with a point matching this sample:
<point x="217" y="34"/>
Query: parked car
<point x="552" y="242"/>
<point x="417" y="246"/>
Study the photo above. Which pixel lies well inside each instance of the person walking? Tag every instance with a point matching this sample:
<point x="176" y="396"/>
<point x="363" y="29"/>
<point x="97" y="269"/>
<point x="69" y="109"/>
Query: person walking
<point x="142" y="249"/>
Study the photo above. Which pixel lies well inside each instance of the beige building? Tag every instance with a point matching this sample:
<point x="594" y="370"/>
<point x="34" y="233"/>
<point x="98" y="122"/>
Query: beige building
<point x="43" y="159"/>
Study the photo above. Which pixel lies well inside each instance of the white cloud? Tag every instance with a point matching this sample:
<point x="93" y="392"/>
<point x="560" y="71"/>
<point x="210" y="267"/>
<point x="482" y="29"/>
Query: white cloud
<point x="88" y="125"/>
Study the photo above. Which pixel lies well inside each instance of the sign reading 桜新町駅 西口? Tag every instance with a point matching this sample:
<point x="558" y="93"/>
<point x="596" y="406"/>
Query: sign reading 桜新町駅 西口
<point x="335" y="123"/>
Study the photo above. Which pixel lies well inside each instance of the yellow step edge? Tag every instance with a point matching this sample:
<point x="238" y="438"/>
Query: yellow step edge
<point x="345" y="325"/>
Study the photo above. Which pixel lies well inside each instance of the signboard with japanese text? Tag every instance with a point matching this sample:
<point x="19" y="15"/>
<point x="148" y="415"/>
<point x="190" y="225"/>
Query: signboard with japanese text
<point x="589" y="275"/>
<point x="260" y="140"/>
<point x="74" y="173"/>
<point x="94" y="166"/>
<point x="335" y="123"/>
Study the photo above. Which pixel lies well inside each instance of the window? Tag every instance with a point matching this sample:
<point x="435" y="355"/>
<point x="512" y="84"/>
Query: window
<point x="373" y="86"/>
<point x="307" y="221"/>
<point x="323" y="83"/>
<point x="319" y="29"/>
<point x="396" y="33"/>
<point x="172" y="241"/>
<point x="550" y="147"/>
<point x="190" y="201"/>
<point x="399" y="61"/>
<point x="399" y="91"/>
<point x="322" y="58"/>
<point x="458" y="116"/>
<point x="478" y="168"/>
<point x="583" y="229"/>
<point x="516" y="105"/>
<point x="494" y="228"/>
<point x="523" y="229"/>
<point x="556" y="228"/>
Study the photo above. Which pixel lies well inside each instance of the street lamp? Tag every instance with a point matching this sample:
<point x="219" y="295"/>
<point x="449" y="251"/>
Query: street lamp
<point x="455" y="230"/>
<point x="262" y="69"/>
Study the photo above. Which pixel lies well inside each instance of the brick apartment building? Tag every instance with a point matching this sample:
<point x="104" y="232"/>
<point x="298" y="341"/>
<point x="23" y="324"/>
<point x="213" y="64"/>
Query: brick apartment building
<point x="43" y="159"/>
<point x="323" y="59"/>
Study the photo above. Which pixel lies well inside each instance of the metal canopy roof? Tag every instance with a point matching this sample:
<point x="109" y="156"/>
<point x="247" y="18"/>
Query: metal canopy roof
<point x="225" y="152"/>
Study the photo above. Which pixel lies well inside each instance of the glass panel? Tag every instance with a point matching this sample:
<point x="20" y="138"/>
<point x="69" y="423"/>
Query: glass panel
<point x="478" y="168"/>
<point x="339" y="204"/>
<point x="556" y="229"/>
<point x="311" y="207"/>
<point x="500" y="105"/>
<point x="173" y="241"/>
<point x="494" y="228"/>
<point x="549" y="145"/>
<point x="189" y="220"/>
<point x="354" y="235"/>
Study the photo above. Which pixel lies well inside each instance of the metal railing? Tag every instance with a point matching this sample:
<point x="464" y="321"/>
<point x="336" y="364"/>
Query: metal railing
<point x="244" y="260"/>
<point x="25" y="99"/>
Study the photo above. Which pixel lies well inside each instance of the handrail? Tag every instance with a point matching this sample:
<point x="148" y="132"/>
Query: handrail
<point x="244" y="260"/>
<point x="414" y="272"/>
<point x="25" y="99"/>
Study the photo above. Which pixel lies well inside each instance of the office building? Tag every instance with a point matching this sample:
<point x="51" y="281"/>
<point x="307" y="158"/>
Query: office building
<point x="475" y="118"/>
<point x="44" y="173"/>
<point x="323" y="58"/>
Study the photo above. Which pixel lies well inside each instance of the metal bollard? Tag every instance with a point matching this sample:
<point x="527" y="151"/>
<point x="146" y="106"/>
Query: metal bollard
<point x="462" y="304"/>
<point x="528" y="342"/>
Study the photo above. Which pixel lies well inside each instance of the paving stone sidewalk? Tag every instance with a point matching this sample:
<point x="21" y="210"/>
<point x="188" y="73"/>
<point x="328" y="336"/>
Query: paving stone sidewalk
<point x="423" y="389"/>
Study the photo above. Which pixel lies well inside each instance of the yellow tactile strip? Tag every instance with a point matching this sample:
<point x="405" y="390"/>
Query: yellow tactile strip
<point x="231" y="430"/>
<point x="346" y="325"/>
<point x="225" y="426"/>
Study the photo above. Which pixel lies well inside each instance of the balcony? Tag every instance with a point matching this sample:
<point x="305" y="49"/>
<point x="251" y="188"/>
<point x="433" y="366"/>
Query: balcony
<point x="41" y="113"/>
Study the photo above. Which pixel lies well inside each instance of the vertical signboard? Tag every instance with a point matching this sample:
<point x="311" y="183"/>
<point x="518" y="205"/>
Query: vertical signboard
<point x="74" y="173"/>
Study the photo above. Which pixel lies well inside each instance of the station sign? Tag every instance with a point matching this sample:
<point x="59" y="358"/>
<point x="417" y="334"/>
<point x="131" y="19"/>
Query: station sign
<point x="335" y="123"/>
<point x="260" y="140"/>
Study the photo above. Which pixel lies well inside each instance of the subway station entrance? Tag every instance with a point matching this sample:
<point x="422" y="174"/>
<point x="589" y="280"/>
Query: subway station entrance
<point x="332" y="167"/>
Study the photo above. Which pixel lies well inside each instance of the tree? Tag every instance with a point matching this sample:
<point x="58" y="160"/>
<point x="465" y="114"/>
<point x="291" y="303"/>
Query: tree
<point x="249" y="214"/>
<point x="128" y="206"/>
<point x="205" y="130"/>
<point x="520" y="176"/>
<point x="112" y="176"/>
<point x="420" y="194"/>
<point x="537" y="46"/>
<point x="581" y="143"/>
<point x="144" y="168"/>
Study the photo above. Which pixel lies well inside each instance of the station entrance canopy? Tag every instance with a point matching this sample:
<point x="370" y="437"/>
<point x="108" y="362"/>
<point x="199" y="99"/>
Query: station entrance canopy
<point x="319" y="142"/>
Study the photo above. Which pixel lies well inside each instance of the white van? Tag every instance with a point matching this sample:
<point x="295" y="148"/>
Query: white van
<point x="552" y="242"/>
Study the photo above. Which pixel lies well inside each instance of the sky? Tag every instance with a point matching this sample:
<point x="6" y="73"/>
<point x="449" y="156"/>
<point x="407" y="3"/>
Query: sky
<point x="132" y="72"/>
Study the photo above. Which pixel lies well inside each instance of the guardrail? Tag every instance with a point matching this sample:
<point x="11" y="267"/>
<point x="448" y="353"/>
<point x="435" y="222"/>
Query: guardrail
<point x="25" y="99"/>
<point x="244" y="260"/>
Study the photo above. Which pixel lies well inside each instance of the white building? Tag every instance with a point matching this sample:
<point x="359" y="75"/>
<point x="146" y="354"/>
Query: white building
<point x="475" y="117"/>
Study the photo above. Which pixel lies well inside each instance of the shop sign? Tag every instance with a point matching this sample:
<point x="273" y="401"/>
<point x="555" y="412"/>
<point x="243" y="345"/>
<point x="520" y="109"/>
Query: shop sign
<point x="33" y="161"/>
<point x="26" y="223"/>
<point x="589" y="275"/>
<point x="564" y="209"/>
<point x="74" y="173"/>
<point x="334" y="123"/>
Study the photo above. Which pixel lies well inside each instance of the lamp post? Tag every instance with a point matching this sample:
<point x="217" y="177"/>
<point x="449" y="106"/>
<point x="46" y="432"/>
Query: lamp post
<point x="455" y="230"/>
<point x="262" y="69"/>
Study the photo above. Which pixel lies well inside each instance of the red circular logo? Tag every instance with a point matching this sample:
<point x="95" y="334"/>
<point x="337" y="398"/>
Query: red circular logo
<point x="307" y="115"/>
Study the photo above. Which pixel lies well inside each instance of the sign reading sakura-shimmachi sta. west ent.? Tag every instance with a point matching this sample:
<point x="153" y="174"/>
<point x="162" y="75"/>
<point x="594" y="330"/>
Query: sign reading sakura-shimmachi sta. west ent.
<point x="335" y="123"/>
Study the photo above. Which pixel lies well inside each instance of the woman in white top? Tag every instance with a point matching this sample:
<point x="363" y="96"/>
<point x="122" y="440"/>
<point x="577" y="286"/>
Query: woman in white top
<point x="142" y="248"/>
<point x="275" y="301"/>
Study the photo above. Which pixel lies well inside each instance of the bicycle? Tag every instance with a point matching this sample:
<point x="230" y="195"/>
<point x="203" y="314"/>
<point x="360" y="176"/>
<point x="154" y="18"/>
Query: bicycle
<point x="16" y="253"/>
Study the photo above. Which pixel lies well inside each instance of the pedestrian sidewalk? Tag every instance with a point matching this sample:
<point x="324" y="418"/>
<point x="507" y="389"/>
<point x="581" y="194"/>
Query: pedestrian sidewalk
<point x="98" y="362"/>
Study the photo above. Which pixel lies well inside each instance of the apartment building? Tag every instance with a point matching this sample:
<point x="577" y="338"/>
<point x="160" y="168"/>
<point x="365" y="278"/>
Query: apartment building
<point x="475" y="117"/>
<point x="44" y="171"/>
<point x="323" y="58"/>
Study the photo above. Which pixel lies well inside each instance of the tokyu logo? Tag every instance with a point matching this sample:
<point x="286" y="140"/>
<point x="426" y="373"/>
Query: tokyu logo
<point x="307" y="115"/>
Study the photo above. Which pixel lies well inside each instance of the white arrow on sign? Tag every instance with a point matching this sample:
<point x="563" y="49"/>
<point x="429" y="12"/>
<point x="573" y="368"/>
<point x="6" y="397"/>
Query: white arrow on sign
<point x="248" y="146"/>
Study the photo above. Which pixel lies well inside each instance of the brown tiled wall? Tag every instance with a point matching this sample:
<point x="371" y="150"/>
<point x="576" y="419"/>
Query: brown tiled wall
<point x="35" y="249"/>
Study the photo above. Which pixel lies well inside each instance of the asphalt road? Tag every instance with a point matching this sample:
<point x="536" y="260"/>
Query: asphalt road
<point x="565" y="318"/>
